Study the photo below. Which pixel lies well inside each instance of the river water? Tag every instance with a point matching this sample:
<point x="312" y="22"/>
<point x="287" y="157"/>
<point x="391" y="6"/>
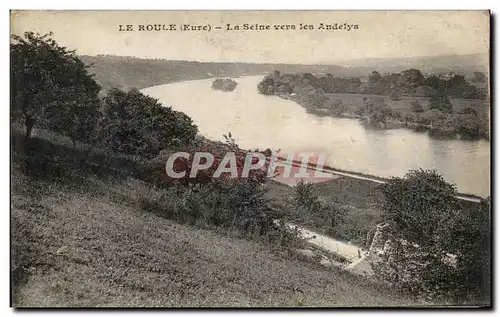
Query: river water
<point x="258" y="121"/>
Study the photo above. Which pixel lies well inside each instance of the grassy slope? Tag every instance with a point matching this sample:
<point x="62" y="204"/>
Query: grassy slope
<point x="97" y="248"/>
<point x="84" y="240"/>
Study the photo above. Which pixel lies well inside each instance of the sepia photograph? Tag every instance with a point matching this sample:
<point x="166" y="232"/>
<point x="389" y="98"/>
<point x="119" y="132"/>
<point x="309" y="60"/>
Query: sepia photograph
<point x="249" y="159"/>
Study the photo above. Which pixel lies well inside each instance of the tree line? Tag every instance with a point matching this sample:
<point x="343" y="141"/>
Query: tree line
<point x="314" y="93"/>
<point x="408" y="82"/>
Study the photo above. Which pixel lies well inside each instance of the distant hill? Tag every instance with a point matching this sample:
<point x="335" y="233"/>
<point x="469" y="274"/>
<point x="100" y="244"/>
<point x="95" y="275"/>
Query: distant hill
<point x="466" y="64"/>
<point x="127" y="72"/>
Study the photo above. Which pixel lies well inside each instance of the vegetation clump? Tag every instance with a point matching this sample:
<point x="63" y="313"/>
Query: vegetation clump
<point x="436" y="249"/>
<point x="225" y="84"/>
<point x="392" y="100"/>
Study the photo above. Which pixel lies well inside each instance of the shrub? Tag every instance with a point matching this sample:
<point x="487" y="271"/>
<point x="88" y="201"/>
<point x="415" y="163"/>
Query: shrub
<point x="416" y="106"/>
<point x="225" y="84"/>
<point x="309" y="210"/>
<point x="394" y="95"/>
<point x="264" y="86"/>
<point x="305" y="197"/>
<point x="218" y="150"/>
<point x="434" y="241"/>
<point x="441" y="102"/>
<point x="469" y="126"/>
<point x="138" y="124"/>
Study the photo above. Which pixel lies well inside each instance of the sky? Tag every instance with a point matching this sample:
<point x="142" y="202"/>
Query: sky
<point x="380" y="34"/>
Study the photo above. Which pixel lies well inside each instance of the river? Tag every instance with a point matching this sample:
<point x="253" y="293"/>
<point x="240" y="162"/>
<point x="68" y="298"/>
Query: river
<point x="259" y="121"/>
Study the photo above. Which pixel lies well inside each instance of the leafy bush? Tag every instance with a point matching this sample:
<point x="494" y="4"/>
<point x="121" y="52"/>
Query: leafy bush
<point x="234" y="203"/>
<point x="266" y="86"/>
<point x="233" y="206"/>
<point x="437" y="247"/>
<point x="416" y="106"/>
<point x="394" y="95"/>
<point x="225" y="84"/>
<point x="441" y="102"/>
<point x="309" y="210"/>
<point x="306" y="197"/>
<point x="219" y="151"/>
<point x="137" y="124"/>
<point x="469" y="126"/>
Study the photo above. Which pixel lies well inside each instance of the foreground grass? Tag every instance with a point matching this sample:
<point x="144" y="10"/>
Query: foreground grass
<point x="93" y="246"/>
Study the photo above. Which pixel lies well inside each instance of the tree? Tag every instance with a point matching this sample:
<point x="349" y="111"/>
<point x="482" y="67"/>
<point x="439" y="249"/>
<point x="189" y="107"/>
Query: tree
<point x="472" y="244"/>
<point x="457" y="81"/>
<point x="285" y="88"/>
<point x="418" y="204"/>
<point x="416" y="106"/>
<point x="138" y="124"/>
<point x="469" y="110"/>
<point x="441" y="102"/>
<point x="47" y="82"/>
<point x="77" y="119"/>
<point x="319" y="213"/>
<point x="374" y="77"/>
<point x="226" y="84"/>
<point x="413" y="76"/>
<point x="306" y="197"/>
<point x="394" y="95"/>
<point x="479" y="77"/>
<point x="276" y="74"/>
<point x="433" y="117"/>
<point x="433" y="82"/>
<point x="423" y="212"/>
<point x="263" y="86"/>
<point x="468" y="126"/>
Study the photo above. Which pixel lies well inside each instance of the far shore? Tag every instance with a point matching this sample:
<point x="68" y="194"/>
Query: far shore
<point x="388" y="125"/>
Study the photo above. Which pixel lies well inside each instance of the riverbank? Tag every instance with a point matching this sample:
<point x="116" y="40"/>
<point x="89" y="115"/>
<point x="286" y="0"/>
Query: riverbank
<point x="440" y="127"/>
<point x="454" y="108"/>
